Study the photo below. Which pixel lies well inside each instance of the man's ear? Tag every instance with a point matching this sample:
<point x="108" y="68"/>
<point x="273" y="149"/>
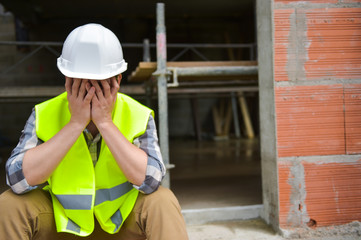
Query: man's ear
<point x="119" y="79"/>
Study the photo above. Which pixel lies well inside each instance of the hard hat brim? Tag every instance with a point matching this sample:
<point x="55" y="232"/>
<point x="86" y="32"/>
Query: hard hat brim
<point x="114" y="70"/>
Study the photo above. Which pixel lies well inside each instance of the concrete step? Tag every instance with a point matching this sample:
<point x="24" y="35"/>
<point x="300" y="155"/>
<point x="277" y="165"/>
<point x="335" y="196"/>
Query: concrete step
<point x="234" y="213"/>
<point x="255" y="229"/>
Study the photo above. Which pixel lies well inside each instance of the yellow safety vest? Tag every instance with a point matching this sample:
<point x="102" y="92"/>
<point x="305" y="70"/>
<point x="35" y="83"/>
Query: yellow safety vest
<point x="78" y="189"/>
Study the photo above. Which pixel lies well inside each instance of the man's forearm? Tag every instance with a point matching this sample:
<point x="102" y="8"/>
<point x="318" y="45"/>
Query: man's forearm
<point x="131" y="160"/>
<point x="40" y="162"/>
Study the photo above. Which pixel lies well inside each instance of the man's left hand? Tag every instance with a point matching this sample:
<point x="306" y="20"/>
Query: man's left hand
<point x="104" y="100"/>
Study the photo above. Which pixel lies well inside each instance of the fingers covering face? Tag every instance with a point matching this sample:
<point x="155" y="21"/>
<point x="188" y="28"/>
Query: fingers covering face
<point x="98" y="90"/>
<point x="80" y="87"/>
<point x="68" y="84"/>
<point x="106" y="88"/>
<point x="115" y="86"/>
<point x="77" y="87"/>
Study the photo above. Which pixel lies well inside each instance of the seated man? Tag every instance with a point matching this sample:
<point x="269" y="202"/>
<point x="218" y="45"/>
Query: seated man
<point x="98" y="151"/>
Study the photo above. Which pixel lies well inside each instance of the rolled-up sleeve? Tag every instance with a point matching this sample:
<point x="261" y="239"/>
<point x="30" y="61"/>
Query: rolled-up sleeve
<point x="156" y="170"/>
<point x="14" y="165"/>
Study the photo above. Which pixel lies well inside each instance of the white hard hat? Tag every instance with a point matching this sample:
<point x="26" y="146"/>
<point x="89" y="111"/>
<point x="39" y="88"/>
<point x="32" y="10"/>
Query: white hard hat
<point x="91" y="51"/>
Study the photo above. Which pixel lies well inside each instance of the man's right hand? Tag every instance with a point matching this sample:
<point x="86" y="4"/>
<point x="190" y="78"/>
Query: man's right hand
<point x="79" y="99"/>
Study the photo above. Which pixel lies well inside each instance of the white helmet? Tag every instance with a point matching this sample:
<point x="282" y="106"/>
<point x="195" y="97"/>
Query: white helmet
<point x="91" y="51"/>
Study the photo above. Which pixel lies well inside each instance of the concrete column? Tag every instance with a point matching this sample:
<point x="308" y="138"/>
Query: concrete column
<point x="267" y="112"/>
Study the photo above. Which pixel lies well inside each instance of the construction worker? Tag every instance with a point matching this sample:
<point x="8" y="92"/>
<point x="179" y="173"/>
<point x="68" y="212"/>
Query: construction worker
<point x="98" y="151"/>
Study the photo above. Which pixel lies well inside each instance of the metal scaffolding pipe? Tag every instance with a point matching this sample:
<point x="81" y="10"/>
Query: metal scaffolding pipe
<point x="161" y="74"/>
<point x="146" y="50"/>
<point x="32" y="43"/>
<point x="217" y="71"/>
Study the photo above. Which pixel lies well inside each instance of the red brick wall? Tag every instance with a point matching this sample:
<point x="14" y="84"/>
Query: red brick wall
<point x="319" y="194"/>
<point x="310" y="120"/>
<point x="333" y="192"/>
<point x="352" y="95"/>
<point x="284" y="174"/>
<point x="317" y="72"/>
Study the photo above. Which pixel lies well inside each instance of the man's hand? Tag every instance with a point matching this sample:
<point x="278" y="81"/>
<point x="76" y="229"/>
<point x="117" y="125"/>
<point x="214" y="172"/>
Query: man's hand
<point x="103" y="102"/>
<point x="80" y="95"/>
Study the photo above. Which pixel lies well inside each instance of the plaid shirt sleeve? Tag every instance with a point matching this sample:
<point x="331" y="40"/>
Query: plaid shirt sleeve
<point x="148" y="142"/>
<point x="156" y="170"/>
<point x="14" y="172"/>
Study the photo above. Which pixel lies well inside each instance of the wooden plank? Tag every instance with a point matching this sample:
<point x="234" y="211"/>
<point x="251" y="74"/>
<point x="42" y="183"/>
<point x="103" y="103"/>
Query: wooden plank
<point x="217" y="121"/>
<point x="144" y="70"/>
<point x="222" y="118"/>
<point x="228" y="119"/>
<point x="246" y="117"/>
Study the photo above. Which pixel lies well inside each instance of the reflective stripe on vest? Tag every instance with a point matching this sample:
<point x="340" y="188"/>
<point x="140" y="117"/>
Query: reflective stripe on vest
<point x="78" y="189"/>
<point x="75" y="202"/>
<point x="117" y="219"/>
<point x="110" y="194"/>
<point x="72" y="226"/>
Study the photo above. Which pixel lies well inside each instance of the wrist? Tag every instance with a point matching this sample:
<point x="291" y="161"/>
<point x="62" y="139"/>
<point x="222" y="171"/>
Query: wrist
<point x="102" y="125"/>
<point x="76" y="125"/>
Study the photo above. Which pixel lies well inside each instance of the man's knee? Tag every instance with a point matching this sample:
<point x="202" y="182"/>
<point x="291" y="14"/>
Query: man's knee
<point x="27" y="216"/>
<point x="163" y="198"/>
<point x="161" y="208"/>
<point x="9" y="201"/>
<point x="33" y="202"/>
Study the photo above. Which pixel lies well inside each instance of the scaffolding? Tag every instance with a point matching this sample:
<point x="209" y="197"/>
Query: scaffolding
<point x="164" y="71"/>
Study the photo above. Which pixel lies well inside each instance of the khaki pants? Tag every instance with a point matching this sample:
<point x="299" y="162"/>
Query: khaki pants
<point x="30" y="216"/>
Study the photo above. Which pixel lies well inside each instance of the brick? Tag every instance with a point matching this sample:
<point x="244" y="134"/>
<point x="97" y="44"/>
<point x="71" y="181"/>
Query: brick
<point x="353" y="118"/>
<point x="334" y="43"/>
<point x="310" y="120"/>
<point x="284" y="193"/>
<point x="317" y="44"/>
<point x="282" y="24"/>
<point x="333" y="192"/>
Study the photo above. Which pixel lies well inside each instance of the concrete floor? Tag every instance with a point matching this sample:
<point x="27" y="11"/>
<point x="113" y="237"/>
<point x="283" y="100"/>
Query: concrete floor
<point x="216" y="173"/>
<point x="254" y="229"/>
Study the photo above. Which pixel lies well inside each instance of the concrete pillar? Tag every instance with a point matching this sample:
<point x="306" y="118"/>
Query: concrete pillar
<point x="267" y="111"/>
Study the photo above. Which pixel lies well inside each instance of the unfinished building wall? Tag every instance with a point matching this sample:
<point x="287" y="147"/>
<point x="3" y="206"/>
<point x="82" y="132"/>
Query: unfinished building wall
<point x="317" y="87"/>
